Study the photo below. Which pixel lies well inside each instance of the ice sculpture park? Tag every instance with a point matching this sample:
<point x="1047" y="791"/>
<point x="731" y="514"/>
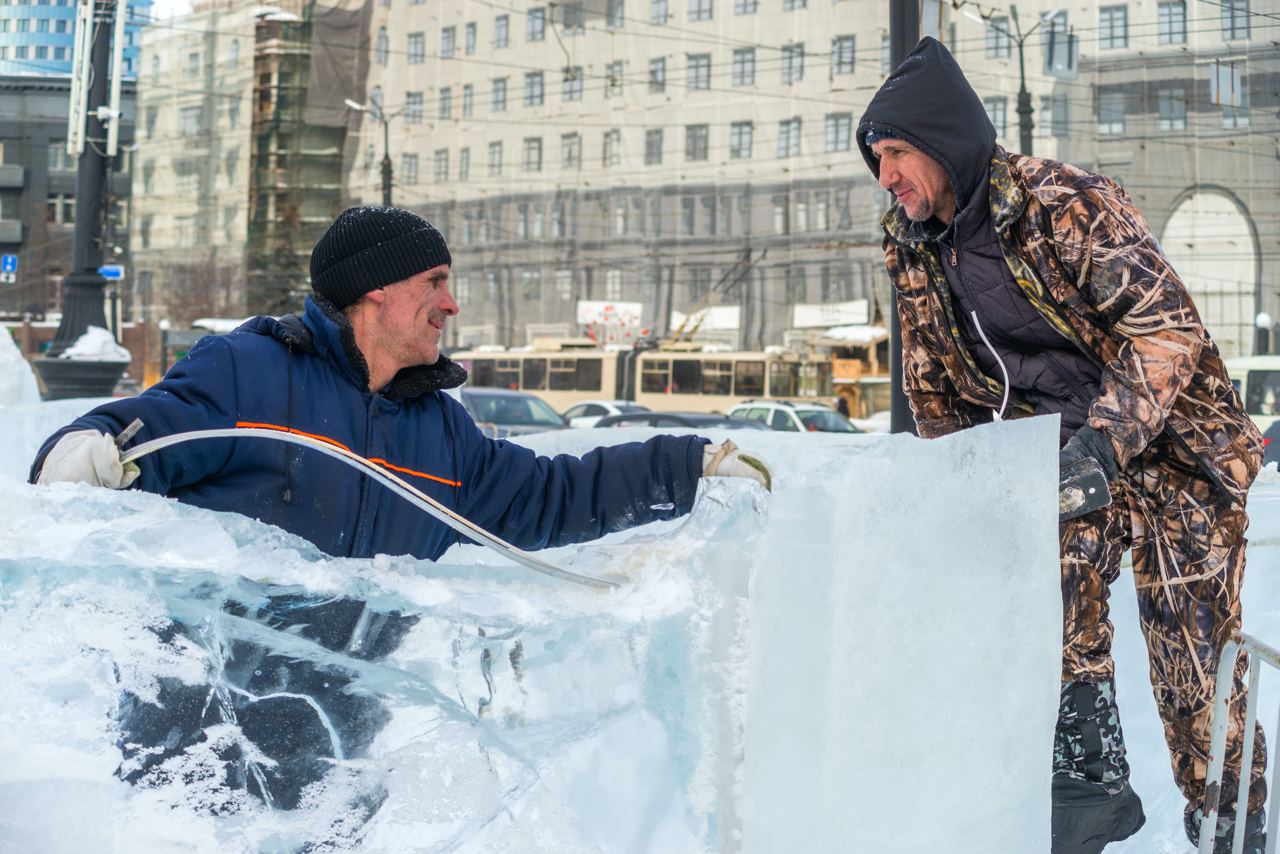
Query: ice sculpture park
<point x="864" y="660"/>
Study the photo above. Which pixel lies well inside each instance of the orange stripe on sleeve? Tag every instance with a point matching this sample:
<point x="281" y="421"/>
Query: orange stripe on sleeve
<point x="386" y="464"/>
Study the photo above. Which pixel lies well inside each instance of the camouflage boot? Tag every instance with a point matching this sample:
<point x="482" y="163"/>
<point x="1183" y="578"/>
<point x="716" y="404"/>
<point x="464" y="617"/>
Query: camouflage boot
<point x="1255" y="831"/>
<point x="1093" y="803"/>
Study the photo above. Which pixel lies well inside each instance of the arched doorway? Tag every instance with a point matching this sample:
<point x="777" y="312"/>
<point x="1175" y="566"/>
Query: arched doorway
<point x="1212" y="244"/>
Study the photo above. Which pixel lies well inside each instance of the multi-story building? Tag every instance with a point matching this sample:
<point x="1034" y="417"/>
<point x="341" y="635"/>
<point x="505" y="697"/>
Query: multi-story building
<point x="38" y="190"/>
<point x="658" y="151"/>
<point x="237" y="165"/>
<point x="36" y="36"/>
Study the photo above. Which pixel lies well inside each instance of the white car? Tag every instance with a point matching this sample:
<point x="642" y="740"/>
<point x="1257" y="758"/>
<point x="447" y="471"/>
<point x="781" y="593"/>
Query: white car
<point x="794" y="417"/>
<point x="587" y="413"/>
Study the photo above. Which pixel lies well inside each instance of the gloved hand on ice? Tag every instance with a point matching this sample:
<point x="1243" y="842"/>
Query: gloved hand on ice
<point x="87" y="456"/>
<point x="1088" y="442"/>
<point x="726" y="460"/>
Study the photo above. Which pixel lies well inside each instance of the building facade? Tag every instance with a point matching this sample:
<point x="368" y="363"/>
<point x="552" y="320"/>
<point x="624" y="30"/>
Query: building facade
<point x="37" y="36"/>
<point x="685" y="153"/>
<point x="38" y="192"/>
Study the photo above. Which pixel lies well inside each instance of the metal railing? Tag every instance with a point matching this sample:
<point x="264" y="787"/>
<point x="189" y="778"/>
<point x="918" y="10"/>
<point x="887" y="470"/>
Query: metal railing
<point x="1258" y="652"/>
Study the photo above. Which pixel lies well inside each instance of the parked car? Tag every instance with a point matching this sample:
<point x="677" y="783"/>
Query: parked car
<point x="501" y="413"/>
<point x="686" y="420"/>
<point x="794" y="417"/>
<point x="587" y="413"/>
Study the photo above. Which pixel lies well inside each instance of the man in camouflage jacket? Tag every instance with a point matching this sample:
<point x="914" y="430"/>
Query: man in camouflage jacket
<point x="1027" y="286"/>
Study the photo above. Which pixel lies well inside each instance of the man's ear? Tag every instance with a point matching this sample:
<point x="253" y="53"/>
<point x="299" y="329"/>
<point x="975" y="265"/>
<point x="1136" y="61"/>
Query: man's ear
<point x="377" y="296"/>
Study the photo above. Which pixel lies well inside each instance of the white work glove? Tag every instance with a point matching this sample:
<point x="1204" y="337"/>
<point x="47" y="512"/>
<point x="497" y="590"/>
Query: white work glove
<point x="87" y="456"/>
<point x="727" y="461"/>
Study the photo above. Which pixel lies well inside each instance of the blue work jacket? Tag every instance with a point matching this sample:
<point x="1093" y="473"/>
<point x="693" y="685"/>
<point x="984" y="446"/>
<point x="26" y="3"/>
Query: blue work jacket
<point x="265" y="374"/>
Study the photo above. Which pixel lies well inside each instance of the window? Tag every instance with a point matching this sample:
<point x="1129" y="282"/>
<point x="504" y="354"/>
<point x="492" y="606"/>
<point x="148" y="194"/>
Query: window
<point x="791" y="5"/>
<point x="533" y="89"/>
<point x="189" y="120"/>
<point x="42" y="52"/>
<point x="1171" y="108"/>
<point x="997" y="111"/>
<point x="839" y="131"/>
<point x="886" y="57"/>
<point x="495" y="158"/>
<point x="413" y="108"/>
<point x="699" y="10"/>
<point x="535" y="25"/>
<point x="572" y="90"/>
<point x="657" y="12"/>
<point x="1110" y="112"/>
<point x="448" y="36"/>
<point x="699" y="70"/>
<point x="417" y="48"/>
<point x="658" y="75"/>
<point x="696" y="142"/>
<point x="441" y="165"/>
<point x="999" y="42"/>
<point x="1229" y="89"/>
<point x="499" y="94"/>
<point x="613" y="285"/>
<point x="233" y="53"/>
<point x="462" y="290"/>
<point x="571" y="151"/>
<point x="1053" y="116"/>
<point x="688" y="212"/>
<point x="612" y="149"/>
<point x="789" y="137"/>
<point x="842" y="55"/>
<point x="792" y="63"/>
<point x="1235" y="20"/>
<point x="445" y="110"/>
<point x="653" y="147"/>
<point x="564" y="284"/>
<point x="59" y="160"/>
<point x="744" y="66"/>
<point x="1113" y="27"/>
<point x="501" y="30"/>
<point x="193" y="62"/>
<point x="468" y="100"/>
<point x="613" y="79"/>
<point x="744" y="7"/>
<point x="42" y="25"/>
<point x="614" y="14"/>
<point x="740" y="140"/>
<point x="409" y="168"/>
<point x="535" y="370"/>
<point x="575" y="21"/>
<point x="1173" y="22"/>
<point x="620" y="218"/>
<point x="781" y="215"/>
<point x="464" y="164"/>
<point x="469" y="39"/>
<point x="532" y="160"/>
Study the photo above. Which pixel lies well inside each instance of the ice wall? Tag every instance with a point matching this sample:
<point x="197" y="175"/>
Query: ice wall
<point x="889" y="684"/>
<point x="17" y="380"/>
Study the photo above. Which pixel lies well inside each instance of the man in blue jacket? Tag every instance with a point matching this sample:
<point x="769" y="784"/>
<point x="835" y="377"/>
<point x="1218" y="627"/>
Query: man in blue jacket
<point x="360" y="368"/>
<point x="363" y="369"/>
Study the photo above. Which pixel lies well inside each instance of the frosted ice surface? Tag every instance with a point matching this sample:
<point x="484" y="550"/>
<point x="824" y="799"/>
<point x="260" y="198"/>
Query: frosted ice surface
<point x="889" y="683"/>
<point x="17" y="380"/>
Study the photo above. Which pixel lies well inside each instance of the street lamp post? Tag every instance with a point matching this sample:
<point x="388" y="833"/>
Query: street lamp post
<point x="375" y="110"/>
<point x="1025" y="125"/>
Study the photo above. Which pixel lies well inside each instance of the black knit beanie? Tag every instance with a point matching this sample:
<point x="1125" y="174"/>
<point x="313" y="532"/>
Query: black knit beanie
<point x="371" y="247"/>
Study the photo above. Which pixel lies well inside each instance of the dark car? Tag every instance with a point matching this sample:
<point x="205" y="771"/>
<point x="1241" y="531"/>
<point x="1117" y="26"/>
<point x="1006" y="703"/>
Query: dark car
<point x="686" y="420"/>
<point x="1271" y="444"/>
<point x="501" y="413"/>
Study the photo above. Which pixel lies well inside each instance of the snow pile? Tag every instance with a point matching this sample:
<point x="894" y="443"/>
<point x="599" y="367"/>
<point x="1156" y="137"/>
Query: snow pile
<point x="96" y="345"/>
<point x="17" y="380"/>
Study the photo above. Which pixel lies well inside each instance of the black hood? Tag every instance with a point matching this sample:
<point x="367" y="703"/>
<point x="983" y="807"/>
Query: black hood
<point x="928" y="103"/>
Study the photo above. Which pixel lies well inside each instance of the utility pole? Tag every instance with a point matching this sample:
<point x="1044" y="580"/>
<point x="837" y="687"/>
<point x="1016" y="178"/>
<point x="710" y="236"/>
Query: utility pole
<point x="1018" y="37"/>
<point x="377" y="112"/>
<point x="92" y="134"/>
<point x="904" y="32"/>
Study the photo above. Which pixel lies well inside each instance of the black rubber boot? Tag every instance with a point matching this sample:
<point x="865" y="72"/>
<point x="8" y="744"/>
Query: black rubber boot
<point x="1093" y="803"/>
<point x="1255" y="831"/>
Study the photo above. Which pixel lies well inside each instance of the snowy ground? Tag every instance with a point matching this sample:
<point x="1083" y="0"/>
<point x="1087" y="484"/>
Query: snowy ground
<point x="862" y="661"/>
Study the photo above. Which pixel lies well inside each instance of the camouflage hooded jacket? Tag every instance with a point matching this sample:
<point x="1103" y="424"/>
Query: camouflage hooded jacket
<point x="1085" y="258"/>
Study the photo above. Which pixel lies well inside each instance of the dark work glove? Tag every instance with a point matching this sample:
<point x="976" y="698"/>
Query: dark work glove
<point x="1088" y="442"/>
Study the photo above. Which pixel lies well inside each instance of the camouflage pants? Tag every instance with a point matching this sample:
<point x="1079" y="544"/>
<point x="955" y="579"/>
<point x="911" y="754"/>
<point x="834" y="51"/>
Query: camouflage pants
<point x="1188" y="565"/>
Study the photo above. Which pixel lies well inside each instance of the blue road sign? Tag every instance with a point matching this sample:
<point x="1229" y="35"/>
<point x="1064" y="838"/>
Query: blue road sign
<point x="111" y="271"/>
<point x="8" y="263"/>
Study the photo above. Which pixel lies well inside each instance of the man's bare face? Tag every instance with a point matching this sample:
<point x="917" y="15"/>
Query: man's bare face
<point x="916" y="179"/>
<point x="414" y="316"/>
